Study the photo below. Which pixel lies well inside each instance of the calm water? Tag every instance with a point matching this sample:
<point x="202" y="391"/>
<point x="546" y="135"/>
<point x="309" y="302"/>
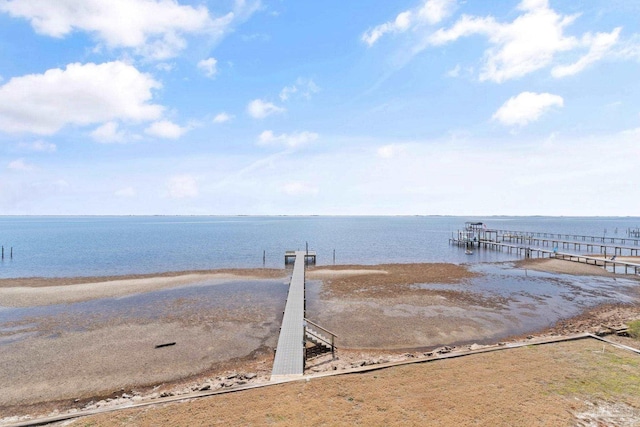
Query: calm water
<point x="89" y="246"/>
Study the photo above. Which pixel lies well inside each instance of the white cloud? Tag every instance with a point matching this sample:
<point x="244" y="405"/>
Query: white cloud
<point x="152" y="28"/>
<point x="39" y="146"/>
<point x="223" y="117"/>
<point x="430" y="12"/>
<point x="20" y="165"/>
<point x="303" y="87"/>
<point x="81" y="94"/>
<point x="454" y="72"/>
<point x="434" y="11"/>
<point x="532" y="41"/>
<point x="108" y="133"/>
<point x="260" y="109"/>
<point x="628" y="48"/>
<point x="166" y="129"/>
<point x="295" y="139"/>
<point x="208" y="67"/>
<point x="527" y="44"/>
<point x="526" y="107"/>
<point x="182" y="186"/>
<point x="126" y="192"/>
<point x="299" y="189"/>
<point x="599" y="45"/>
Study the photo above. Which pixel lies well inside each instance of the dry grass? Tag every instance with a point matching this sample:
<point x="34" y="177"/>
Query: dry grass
<point x="549" y="385"/>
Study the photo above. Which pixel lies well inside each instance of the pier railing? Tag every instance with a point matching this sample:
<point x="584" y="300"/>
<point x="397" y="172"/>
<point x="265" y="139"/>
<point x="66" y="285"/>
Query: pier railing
<point x="319" y="335"/>
<point x="630" y="239"/>
<point x="610" y="264"/>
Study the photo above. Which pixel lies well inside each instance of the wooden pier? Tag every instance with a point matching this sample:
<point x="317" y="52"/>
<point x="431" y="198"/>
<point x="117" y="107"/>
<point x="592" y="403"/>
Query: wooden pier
<point x="296" y="331"/>
<point x="611" y="265"/>
<point x="631" y="239"/>
<point x="476" y="235"/>
<point x="308" y="256"/>
<point x="603" y="248"/>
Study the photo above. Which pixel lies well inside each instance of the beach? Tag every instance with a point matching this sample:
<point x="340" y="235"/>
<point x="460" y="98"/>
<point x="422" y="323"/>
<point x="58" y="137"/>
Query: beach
<point x="379" y="312"/>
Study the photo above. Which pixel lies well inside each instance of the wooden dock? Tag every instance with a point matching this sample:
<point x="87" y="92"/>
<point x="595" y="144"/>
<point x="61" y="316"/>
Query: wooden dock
<point x="611" y="265"/>
<point x="603" y="248"/>
<point x="631" y="239"/>
<point x="308" y="256"/>
<point x="477" y="236"/>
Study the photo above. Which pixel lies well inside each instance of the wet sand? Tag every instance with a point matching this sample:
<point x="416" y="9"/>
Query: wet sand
<point x="374" y="310"/>
<point x="28" y="292"/>
<point x="563" y="267"/>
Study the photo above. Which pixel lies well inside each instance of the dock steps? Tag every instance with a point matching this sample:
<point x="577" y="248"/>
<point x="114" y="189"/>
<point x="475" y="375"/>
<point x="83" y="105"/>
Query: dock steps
<point x="319" y="340"/>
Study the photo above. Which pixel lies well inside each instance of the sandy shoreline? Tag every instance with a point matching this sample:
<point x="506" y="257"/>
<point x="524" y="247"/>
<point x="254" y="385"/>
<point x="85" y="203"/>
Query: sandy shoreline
<point x="369" y="307"/>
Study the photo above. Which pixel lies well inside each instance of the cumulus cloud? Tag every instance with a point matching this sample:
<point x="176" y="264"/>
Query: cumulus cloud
<point x="20" y="165"/>
<point x="166" y="129"/>
<point x="108" y="133"/>
<point x="299" y="189"/>
<point x="152" y="28"/>
<point x="81" y="94"/>
<point x="292" y="140"/>
<point x="430" y="12"/>
<point x="526" y="107"/>
<point x="222" y="117"/>
<point x="530" y="42"/>
<point x="182" y="186"/>
<point x="38" y="146"/>
<point x="260" y="109"/>
<point x="208" y="67"/>
<point x="302" y="87"/>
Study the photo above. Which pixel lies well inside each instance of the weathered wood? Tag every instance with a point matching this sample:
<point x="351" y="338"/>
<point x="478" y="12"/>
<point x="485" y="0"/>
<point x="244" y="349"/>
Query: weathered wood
<point x="169" y="344"/>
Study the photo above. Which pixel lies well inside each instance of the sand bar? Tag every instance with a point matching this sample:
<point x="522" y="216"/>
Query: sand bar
<point x="30" y="292"/>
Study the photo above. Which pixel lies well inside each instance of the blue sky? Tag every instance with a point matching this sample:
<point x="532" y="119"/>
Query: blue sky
<point x="279" y="107"/>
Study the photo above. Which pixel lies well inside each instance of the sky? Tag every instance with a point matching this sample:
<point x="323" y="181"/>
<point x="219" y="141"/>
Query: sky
<point x="279" y="107"/>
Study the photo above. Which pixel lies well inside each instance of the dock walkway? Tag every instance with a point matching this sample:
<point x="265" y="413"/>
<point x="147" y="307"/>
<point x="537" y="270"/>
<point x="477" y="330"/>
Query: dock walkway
<point x="289" y="359"/>
<point x="610" y="264"/>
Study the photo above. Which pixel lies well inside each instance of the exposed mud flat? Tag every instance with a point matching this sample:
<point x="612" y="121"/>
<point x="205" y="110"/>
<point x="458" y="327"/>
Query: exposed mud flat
<point x="98" y="346"/>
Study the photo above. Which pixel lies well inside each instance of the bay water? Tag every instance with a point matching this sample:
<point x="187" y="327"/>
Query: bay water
<point x="57" y="246"/>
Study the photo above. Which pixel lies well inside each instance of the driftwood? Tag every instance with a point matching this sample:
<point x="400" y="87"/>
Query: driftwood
<point x="165" y="345"/>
